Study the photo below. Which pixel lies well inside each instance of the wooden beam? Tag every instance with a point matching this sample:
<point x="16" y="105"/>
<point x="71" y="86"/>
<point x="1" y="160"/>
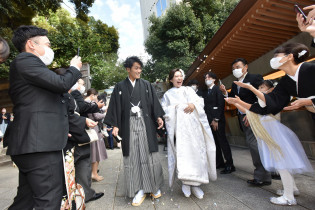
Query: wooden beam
<point x="252" y="44"/>
<point x="279" y="3"/>
<point x="263" y="33"/>
<point x="279" y="10"/>
<point x="233" y="56"/>
<point x="274" y="25"/>
<point x="246" y="37"/>
<point x="280" y="38"/>
<point x="272" y="14"/>
<point x="260" y="29"/>
<point x="289" y="4"/>
<point x="274" y="21"/>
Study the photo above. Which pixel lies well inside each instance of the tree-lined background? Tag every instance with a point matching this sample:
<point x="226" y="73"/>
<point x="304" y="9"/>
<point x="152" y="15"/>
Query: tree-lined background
<point x="97" y="41"/>
<point x="175" y="39"/>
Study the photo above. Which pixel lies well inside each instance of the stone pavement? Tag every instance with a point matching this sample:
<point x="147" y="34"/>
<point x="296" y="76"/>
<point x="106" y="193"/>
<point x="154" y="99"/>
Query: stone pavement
<point x="228" y="192"/>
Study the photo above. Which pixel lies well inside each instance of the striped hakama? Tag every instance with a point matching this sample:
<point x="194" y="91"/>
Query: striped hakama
<point x="143" y="170"/>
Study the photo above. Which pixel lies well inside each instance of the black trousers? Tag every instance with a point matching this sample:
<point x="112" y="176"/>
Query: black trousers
<point x="222" y="146"/>
<point x="83" y="170"/>
<point x="41" y="181"/>
<point x="260" y="172"/>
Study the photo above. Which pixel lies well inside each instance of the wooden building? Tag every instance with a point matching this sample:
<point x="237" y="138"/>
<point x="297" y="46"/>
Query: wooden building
<point x="252" y="31"/>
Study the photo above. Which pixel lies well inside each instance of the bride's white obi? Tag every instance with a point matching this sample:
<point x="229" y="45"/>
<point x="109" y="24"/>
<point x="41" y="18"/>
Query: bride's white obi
<point x="193" y="154"/>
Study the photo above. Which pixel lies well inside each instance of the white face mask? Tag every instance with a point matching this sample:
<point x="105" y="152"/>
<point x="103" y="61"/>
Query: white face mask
<point x="275" y="62"/>
<point x="48" y="56"/>
<point x="194" y="87"/>
<point x="237" y="73"/>
<point x="74" y="87"/>
<point x="209" y="82"/>
<point x="82" y="89"/>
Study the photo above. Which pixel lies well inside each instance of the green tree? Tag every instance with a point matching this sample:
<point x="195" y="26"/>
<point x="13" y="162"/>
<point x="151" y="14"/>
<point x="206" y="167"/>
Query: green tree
<point x="98" y="44"/>
<point x="176" y="38"/>
<point x="108" y="72"/>
<point x="212" y="14"/>
<point x="173" y="41"/>
<point x="20" y="12"/>
<point x="66" y="34"/>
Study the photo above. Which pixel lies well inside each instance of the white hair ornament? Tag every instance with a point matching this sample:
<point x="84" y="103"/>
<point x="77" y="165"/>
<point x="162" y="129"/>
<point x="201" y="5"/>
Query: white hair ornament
<point x="300" y="54"/>
<point x="181" y="71"/>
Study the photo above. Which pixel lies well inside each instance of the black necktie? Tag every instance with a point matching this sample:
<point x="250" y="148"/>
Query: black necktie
<point x="209" y="91"/>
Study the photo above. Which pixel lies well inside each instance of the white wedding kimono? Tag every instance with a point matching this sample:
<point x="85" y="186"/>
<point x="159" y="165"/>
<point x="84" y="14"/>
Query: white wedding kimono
<point x="193" y="156"/>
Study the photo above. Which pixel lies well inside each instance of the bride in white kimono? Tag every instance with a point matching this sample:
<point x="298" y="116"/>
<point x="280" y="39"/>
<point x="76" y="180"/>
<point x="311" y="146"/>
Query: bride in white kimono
<point x="191" y="147"/>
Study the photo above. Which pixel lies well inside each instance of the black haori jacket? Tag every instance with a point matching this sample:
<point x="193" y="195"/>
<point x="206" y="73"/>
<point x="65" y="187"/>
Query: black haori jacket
<point x="118" y="113"/>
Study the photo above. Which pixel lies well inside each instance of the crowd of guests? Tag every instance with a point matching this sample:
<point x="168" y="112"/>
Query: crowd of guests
<point x="53" y="117"/>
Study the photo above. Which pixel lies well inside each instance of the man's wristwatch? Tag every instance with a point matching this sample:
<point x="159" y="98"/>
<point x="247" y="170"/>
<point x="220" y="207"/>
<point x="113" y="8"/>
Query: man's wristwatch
<point x="216" y="120"/>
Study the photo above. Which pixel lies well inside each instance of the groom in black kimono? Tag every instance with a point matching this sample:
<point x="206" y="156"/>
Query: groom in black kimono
<point x="135" y="112"/>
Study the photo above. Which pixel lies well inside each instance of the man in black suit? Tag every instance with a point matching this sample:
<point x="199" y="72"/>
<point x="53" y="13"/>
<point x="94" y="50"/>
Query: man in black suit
<point x="214" y="108"/>
<point x="240" y="71"/>
<point x="194" y="84"/>
<point x="40" y="128"/>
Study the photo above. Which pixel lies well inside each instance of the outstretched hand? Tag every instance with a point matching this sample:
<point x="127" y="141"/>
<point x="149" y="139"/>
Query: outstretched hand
<point x="233" y="100"/>
<point x="243" y="85"/>
<point x="299" y="103"/>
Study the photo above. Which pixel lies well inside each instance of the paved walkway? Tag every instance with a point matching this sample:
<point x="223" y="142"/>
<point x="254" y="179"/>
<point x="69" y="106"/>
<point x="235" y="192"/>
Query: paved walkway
<point x="228" y="192"/>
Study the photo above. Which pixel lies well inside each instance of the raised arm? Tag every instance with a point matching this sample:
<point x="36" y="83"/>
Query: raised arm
<point x="241" y="105"/>
<point x="259" y="94"/>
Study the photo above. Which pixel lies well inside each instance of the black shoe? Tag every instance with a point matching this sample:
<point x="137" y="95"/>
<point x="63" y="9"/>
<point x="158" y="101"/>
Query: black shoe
<point x="228" y="170"/>
<point x="95" y="197"/>
<point x="275" y="176"/>
<point x="257" y="183"/>
<point x="221" y="166"/>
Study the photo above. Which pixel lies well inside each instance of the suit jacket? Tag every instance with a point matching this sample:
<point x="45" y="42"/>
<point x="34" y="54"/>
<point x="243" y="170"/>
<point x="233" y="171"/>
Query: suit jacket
<point x="77" y="123"/>
<point x="245" y="94"/>
<point x="214" y="104"/>
<point x="6" y="121"/>
<point x="84" y="108"/>
<point x="40" y="112"/>
<point x="280" y="96"/>
<point x="199" y="93"/>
